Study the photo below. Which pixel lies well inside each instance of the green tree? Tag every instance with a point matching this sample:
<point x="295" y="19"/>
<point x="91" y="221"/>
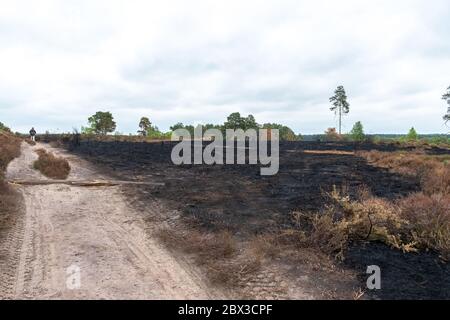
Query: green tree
<point x="412" y="135"/>
<point x="286" y="133"/>
<point x="87" y="130"/>
<point x="357" y="133"/>
<point x="209" y="126"/>
<point x="153" y="132"/>
<point x="144" y="126"/>
<point x="102" y="123"/>
<point x="446" y="97"/>
<point x="177" y="126"/>
<point x="340" y="104"/>
<point x="191" y="129"/>
<point x="235" y="121"/>
<point x="250" y="122"/>
<point x="180" y="125"/>
<point x="4" y="128"/>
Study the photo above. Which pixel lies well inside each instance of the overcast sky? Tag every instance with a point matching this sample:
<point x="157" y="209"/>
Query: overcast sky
<point x="197" y="61"/>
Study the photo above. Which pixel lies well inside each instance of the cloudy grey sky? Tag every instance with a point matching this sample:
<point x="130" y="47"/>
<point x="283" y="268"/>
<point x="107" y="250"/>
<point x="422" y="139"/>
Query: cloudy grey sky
<point x="197" y="61"/>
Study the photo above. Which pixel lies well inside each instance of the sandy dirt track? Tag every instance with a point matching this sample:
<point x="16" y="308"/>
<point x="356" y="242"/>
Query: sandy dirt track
<point x="91" y="230"/>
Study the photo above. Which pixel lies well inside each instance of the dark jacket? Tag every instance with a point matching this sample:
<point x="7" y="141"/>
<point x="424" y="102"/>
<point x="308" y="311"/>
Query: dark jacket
<point x="32" y="132"/>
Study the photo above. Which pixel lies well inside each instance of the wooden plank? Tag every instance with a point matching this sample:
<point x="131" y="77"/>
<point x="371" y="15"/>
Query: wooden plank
<point x="83" y="183"/>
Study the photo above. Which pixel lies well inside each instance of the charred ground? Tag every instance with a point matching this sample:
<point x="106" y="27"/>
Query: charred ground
<point x="238" y="199"/>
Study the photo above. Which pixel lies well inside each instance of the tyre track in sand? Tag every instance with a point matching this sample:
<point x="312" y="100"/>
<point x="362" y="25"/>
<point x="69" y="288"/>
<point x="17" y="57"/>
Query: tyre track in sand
<point x="10" y="249"/>
<point x="93" y="229"/>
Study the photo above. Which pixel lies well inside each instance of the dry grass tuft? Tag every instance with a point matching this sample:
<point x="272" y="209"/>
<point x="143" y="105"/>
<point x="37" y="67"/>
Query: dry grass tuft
<point x="428" y="212"/>
<point x="433" y="172"/>
<point x="216" y="246"/>
<point x="9" y="149"/>
<point x="216" y="253"/>
<point x="428" y="219"/>
<point x="51" y="166"/>
<point x="345" y="221"/>
<point x="9" y="203"/>
<point x="265" y="246"/>
<point x="417" y="222"/>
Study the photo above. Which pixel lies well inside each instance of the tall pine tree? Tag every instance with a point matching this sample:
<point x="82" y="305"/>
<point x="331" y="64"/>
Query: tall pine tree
<point x="446" y="97"/>
<point x="340" y="104"/>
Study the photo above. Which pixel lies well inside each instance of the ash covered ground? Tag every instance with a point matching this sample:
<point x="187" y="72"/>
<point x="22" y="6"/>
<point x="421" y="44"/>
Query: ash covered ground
<point x="239" y="199"/>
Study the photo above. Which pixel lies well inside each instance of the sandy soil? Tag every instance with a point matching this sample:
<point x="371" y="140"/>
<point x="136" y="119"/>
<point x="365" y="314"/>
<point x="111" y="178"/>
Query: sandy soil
<point x="90" y="232"/>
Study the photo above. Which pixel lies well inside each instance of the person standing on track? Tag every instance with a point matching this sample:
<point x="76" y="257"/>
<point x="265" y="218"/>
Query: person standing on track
<point x="33" y="134"/>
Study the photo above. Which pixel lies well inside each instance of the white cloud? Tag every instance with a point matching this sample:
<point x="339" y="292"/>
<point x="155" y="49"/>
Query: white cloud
<point x="198" y="61"/>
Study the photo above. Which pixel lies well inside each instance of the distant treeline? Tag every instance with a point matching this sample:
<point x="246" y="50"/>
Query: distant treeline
<point x="103" y="123"/>
<point x="377" y="137"/>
